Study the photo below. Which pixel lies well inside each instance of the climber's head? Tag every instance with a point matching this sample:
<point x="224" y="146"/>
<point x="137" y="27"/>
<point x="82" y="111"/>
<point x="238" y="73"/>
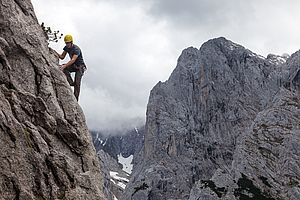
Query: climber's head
<point x="68" y="40"/>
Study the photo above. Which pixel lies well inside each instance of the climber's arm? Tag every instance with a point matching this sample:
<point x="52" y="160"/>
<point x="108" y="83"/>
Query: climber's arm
<point x="61" y="56"/>
<point x="71" y="62"/>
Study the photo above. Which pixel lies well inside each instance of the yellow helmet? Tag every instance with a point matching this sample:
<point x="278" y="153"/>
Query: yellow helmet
<point x="68" y="38"/>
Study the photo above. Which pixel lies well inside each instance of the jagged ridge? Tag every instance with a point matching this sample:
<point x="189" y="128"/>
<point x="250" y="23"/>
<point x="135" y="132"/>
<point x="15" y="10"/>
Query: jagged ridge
<point x="196" y="117"/>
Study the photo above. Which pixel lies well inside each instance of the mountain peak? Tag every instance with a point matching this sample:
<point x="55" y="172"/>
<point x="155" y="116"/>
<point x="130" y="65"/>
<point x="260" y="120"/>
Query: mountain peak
<point x="212" y="99"/>
<point x="221" y="43"/>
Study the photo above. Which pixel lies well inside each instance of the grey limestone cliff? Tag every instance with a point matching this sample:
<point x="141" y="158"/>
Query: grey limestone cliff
<point x="46" y="150"/>
<point x="266" y="160"/>
<point x="198" y="121"/>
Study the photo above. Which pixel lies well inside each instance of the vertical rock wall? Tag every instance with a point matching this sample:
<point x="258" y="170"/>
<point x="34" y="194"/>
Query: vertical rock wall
<point x="196" y="117"/>
<point x="46" y="150"/>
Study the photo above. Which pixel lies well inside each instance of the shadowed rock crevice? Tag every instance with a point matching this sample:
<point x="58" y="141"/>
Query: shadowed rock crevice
<point x="246" y="190"/>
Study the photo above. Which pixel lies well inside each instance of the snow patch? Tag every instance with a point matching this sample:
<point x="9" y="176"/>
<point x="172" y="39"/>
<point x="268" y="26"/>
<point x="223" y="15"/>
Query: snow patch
<point x="122" y="185"/>
<point x="257" y="55"/>
<point x="115" y="176"/>
<point x="112" y="181"/>
<point x="280" y="60"/>
<point x="126" y="163"/>
<point x="117" y="180"/>
<point x="233" y="46"/>
<point x="277" y="59"/>
<point x="101" y="141"/>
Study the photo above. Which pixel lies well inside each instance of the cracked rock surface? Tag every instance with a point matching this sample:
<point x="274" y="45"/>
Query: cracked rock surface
<point x="225" y="125"/>
<point x="46" y="150"/>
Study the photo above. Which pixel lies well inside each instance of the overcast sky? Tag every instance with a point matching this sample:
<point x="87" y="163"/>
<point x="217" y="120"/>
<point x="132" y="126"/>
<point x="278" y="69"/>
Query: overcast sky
<point x="130" y="45"/>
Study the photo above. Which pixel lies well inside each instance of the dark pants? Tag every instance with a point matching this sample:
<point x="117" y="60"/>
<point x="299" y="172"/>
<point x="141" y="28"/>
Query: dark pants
<point x="79" y="71"/>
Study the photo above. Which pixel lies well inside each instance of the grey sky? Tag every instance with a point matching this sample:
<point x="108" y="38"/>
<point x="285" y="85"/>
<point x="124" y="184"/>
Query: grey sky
<point x="130" y="45"/>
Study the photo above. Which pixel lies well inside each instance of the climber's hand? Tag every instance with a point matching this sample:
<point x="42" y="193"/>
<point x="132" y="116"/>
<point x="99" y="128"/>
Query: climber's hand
<point x="62" y="67"/>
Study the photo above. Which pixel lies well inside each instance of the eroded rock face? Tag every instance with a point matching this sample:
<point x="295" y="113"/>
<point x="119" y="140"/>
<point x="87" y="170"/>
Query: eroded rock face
<point x="46" y="150"/>
<point x="266" y="160"/>
<point x="196" y="117"/>
<point x="115" y="179"/>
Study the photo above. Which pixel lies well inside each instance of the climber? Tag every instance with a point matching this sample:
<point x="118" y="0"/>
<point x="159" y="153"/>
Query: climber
<point x="76" y="64"/>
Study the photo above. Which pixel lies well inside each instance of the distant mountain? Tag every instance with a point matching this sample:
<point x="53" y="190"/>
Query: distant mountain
<point x="117" y="154"/>
<point x="115" y="179"/>
<point x="225" y="125"/>
<point x="126" y="144"/>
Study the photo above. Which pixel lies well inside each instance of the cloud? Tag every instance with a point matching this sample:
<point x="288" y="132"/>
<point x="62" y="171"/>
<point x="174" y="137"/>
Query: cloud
<point x="260" y="25"/>
<point x="107" y="115"/>
<point x="124" y="62"/>
<point x="197" y="14"/>
<point x="129" y="46"/>
<point x="126" y="53"/>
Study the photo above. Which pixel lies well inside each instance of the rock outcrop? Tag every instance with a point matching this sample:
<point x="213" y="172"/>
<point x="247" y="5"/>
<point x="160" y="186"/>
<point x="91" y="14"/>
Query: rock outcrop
<point x="266" y="159"/>
<point x="46" y="150"/>
<point x="115" y="179"/>
<point x="221" y="105"/>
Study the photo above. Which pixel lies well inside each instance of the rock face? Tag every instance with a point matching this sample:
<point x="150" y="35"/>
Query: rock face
<point x="46" y="150"/>
<point x="266" y="160"/>
<point x="115" y="179"/>
<point x="224" y="113"/>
